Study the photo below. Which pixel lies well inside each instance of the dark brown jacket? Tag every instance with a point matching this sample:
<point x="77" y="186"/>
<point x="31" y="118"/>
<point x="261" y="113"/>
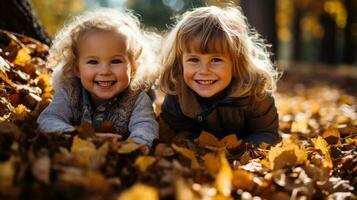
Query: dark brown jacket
<point x="251" y="120"/>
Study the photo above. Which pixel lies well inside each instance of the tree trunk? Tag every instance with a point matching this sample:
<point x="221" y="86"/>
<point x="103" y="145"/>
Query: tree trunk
<point x="350" y="45"/>
<point x="261" y="16"/>
<point x="18" y="16"/>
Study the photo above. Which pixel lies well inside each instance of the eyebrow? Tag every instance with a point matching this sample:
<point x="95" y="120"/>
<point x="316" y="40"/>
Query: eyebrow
<point x="96" y="57"/>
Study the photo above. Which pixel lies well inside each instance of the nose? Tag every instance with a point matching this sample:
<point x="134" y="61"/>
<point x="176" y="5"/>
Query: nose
<point x="104" y="69"/>
<point x="204" y="67"/>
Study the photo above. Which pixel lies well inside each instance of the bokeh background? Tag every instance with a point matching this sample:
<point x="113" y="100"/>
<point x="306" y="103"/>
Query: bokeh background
<point x="304" y="31"/>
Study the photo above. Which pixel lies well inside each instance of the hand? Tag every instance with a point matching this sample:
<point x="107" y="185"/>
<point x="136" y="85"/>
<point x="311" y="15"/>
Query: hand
<point x="109" y="136"/>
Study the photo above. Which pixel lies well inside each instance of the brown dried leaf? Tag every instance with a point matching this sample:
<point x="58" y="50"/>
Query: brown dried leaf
<point x="332" y="136"/>
<point x="188" y="154"/>
<point x="86" y="130"/>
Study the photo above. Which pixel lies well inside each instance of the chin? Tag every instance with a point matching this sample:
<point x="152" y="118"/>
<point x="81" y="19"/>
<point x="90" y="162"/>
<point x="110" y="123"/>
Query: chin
<point x="205" y="95"/>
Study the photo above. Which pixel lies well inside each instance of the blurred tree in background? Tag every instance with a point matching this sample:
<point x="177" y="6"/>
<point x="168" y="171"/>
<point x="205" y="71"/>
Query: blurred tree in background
<point x="18" y="16"/>
<point x="299" y="30"/>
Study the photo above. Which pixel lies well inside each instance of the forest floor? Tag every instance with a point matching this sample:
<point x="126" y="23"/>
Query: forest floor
<point x="316" y="160"/>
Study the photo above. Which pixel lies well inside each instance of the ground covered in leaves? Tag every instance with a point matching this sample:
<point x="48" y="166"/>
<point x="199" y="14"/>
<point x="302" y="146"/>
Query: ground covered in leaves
<point x="316" y="160"/>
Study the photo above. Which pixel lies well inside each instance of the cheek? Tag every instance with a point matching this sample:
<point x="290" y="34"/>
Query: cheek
<point x="187" y="74"/>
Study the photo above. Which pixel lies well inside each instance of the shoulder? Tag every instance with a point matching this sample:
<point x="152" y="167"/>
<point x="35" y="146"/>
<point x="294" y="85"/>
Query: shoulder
<point x="170" y="102"/>
<point x="143" y="98"/>
<point x="261" y="105"/>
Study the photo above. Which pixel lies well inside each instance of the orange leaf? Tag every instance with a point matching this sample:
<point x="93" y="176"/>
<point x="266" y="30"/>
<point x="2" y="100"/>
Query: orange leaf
<point x="230" y="142"/>
<point x="212" y="163"/>
<point x="128" y="148"/>
<point x="207" y="139"/>
<point x="143" y="162"/>
<point x="243" y="180"/>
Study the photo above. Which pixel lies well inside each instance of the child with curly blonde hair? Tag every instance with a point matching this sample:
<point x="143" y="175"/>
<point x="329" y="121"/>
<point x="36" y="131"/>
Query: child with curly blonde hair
<point x="218" y="77"/>
<point x="105" y="67"/>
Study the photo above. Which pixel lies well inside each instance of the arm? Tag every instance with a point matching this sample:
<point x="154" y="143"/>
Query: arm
<point x="173" y="116"/>
<point x="263" y="122"/>
<point x="57" y="116"/>
<point x="143" y="127"/>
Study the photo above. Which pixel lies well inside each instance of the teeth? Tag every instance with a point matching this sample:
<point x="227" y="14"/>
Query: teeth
<point x="205" y="82"/>
<point x="105" y="83"/>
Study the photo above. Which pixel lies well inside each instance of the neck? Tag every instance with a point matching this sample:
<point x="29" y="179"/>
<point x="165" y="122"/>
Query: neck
<point x="215" y="98"/>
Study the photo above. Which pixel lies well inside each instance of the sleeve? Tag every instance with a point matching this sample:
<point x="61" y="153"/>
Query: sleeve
<point x="263" y="122"/>
<point x="143" y="126"/>
<point x="173" y="116"/>
<point x="57" y="116"/>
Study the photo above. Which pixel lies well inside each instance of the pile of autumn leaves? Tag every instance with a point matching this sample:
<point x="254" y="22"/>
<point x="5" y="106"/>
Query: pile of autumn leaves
<point x="316" y="160"/>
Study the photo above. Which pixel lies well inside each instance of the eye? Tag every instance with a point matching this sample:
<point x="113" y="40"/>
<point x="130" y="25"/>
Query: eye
<point x="92" y="62"/>
<point x="117" y="61"/>
<point x="193" y="60"/>
<point x="216" y="60"/>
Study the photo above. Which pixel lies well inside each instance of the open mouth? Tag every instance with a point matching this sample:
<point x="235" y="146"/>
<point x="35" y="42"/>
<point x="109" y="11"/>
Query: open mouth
<point x="206" y="82"/>
<point x="105" y="83"/>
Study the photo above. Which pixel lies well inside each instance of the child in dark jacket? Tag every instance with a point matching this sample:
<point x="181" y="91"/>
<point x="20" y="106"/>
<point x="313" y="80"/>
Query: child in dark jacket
<point x="218" y="77"/>
<point x="103" y="69"/>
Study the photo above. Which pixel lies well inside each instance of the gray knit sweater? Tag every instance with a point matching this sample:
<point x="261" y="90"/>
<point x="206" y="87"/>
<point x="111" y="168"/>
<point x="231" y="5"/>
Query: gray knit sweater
<point x="131" y="114"/>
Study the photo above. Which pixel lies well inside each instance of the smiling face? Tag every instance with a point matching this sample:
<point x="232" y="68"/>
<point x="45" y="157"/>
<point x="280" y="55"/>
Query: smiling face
<point x="103" y="64"/>
<point x="206" y="73"/>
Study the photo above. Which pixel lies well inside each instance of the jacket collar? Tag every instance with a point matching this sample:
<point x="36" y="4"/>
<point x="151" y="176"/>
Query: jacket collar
<point x="191" y="107"/>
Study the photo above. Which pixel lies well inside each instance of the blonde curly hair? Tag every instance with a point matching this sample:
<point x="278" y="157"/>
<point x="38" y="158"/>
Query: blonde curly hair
<point x="217" y="29"/>
<point x="63" y="54"/>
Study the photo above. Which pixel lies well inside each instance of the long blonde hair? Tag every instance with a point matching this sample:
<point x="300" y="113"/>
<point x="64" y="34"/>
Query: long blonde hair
<point x="216" y="29"/>
<point x="63" y="53"/>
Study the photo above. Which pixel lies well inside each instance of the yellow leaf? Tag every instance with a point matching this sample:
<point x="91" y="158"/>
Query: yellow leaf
<point x="21" y="110"/>
<point x="23" y="57"/>
<point x="184" y="191"/>
<point x="188" y="154"/>
<point x="243" y="180"/>
<point x="288" y="153"/>
<point x="212" y="163"/>
<point x="83" y="150"/>
<point x="7" y="173"/>
<point x="223" y="181"/>
<point x="143" y="162"/>
<point x="322" y="145"/>
<point x="139" y="192"/>
<point x="128" y="148"/>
